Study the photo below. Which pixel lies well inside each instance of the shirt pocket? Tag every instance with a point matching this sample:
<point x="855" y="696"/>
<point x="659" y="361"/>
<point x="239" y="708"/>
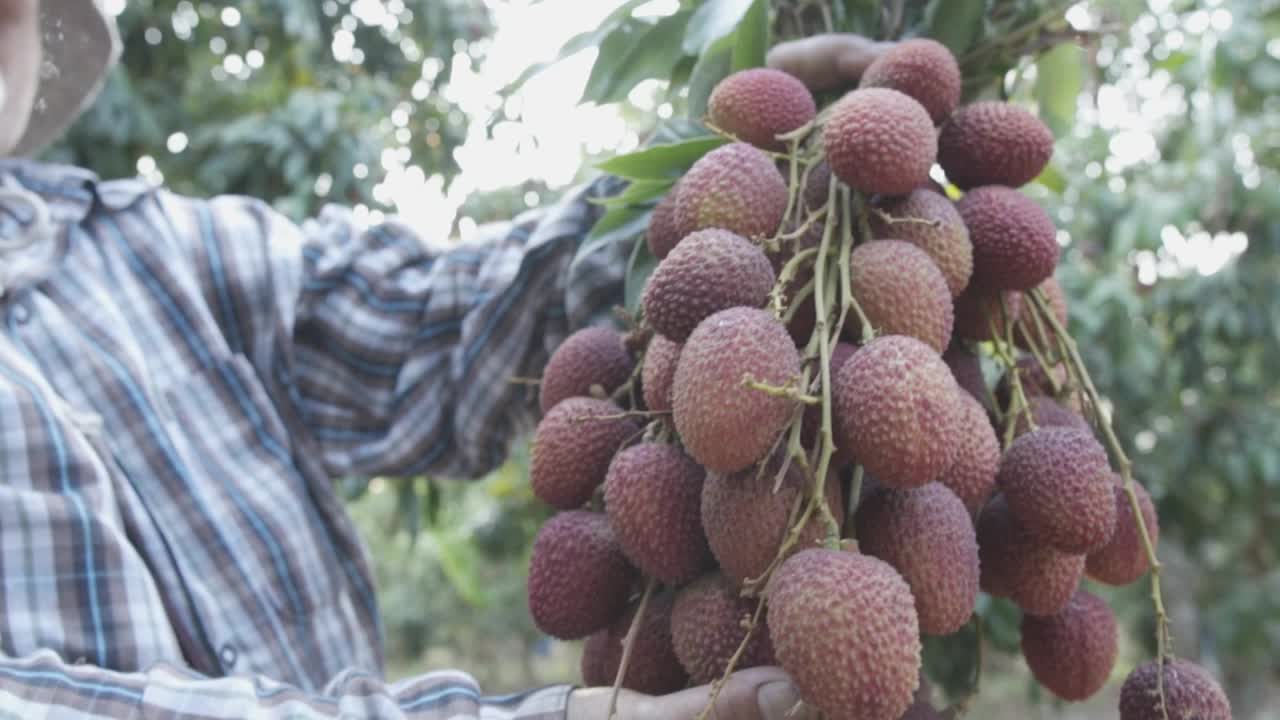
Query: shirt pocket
<point x="237" y="448"/>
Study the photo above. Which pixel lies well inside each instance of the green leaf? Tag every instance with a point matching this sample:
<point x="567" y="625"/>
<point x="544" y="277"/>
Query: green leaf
<point x="1053" y="179"/>
<point x="582" y="41"/>
<point x="639" y="267"/>
<point x="661" y="162"/>
<point x="955" y="23"/>
<point x="857" y="16"/>
<point x="751" y="39"/>
<point x="711" y="68"/>
<point x="1059" y="77"/>
<point x="712" y="21"/>
<point x="639" y="191"/>
<point x="616" y="225"/>
<point x="637" y="50"/>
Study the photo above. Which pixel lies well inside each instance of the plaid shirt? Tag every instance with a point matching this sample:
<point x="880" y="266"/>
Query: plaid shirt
<point x="176" y="395"/>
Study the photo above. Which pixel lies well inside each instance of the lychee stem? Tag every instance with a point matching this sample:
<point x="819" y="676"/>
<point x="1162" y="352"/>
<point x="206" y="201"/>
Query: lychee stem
<point x="628" y="644"/>
<point x="1018" y="404"/>
<point x="855" y="495"/>
<point x="826" y="436"/>
<point x="846" y="272"/>
<point x="1164" y="644"/>
<point x="730" y="666"/>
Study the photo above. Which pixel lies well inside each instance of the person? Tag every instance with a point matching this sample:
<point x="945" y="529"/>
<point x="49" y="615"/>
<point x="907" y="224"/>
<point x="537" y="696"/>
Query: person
<point x="180" y="380"/>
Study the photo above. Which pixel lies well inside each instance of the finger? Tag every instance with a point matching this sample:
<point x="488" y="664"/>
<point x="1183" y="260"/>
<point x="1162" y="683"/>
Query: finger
<point x="826" y="62"/>
<point x="763" y="693"/>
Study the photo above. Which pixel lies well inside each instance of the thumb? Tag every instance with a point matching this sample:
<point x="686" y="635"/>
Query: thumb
<point x="826" y="62"/>
<point x="777" y="699"/>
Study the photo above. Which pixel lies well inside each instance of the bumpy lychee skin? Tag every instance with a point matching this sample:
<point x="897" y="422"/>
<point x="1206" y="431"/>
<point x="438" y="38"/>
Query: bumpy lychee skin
<point x="972" y="475"/>
<point x="931" y="222"/>
<point x="993" y="143"/>
<point x="658" y="372"/>
<point x="734" y="187"/>
<point x="1190" y="693"/>
<point x="707" y="626"/>
<point x="663" y="234"/>
<point x="709" y="271"/>
<point x="922" y="68"/>
<point x="1059" y="487"/>
<point x="1073" y="651"/>
<point x="927" y="536"/>
<point x="1124" y="559"/>
<point x="653" y="494"/>
<point x="746" y="521"/>
<point x="710" y="402"/>
<point x="845" y="629"/>
<point x="1015" y="245"/>
<point x="572" y="448"/>
<point x="579" y="578"/>
<point x="1037" y="578"/>
<point x="902" y="291"/>
<point x="1032" y="334"/>
<point x="899" y="410"/>
<point x="880" y="141"/>
<point x="590" y="356"/>
<point x="979" y="312"/>
<point x="653" y="668"/>
<point x="817" y="185"/>
<point x="1046" y="412"/>
<point x="759" y="104"/>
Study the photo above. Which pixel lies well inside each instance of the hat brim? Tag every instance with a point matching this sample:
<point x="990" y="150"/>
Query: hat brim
<point x="80" y="47"/>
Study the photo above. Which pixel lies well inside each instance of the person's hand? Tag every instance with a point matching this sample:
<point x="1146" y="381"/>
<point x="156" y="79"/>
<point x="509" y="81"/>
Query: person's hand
<point x="763" y="693"/>
<point x="826" y="62"/>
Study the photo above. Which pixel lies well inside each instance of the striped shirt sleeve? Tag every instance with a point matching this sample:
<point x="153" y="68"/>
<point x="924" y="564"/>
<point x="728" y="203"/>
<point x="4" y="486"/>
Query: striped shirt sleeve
<point x="398" y="356"/>
<point x="43" y="686"/>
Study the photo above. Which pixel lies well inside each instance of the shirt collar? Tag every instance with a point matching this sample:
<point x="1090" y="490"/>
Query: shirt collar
<point x="69" y="191"/>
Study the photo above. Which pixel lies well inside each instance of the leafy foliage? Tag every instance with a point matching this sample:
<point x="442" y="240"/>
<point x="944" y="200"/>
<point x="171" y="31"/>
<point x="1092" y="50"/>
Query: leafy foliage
<point x="264" y="103"/>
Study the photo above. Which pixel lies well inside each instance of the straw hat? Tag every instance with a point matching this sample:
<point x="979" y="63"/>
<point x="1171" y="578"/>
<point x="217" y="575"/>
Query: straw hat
<point x="80" y="47"/>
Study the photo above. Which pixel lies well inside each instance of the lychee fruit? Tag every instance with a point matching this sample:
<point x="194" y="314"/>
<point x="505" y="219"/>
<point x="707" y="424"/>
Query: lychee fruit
<point x="1072" y="651"/>
<point x="1190" y="693"/>
<point x="709" y="271"/>
<point x="978" y="313"/>
<point x="709" y="622"/>
<point x="734" y="187"/>
<point x="922" y="68"/>
<point x="1037" y="578"/>
<point x="1059" y="486"/>
<point x="746" y="521"/>
<point x="572" y="448"/>
<point x="844" y="627"/>
<point x="993" y="143"/>
<point x="590" y="357"/>
<point x="966" y="367"/>
<point x="711" y="400"/>
<point x="1046" y="412"/>
<point x="1124" y="559"/>
<point x="880" y="141"/>
<point x="658" y="372"/>
<point x="579" y="579"/>
<point x="927" y="536"/>
<point x="972" y="475"/>
<point x="653" y="495"/>
<point x="663" y="234"/>
<point x="902" y="291"/>
<point x="931" y="222"/>
<point x="899" y="410"/>
<point x="759" y="104"/>
<point x="1015" y="243"/>
<point x="653" y="668"/>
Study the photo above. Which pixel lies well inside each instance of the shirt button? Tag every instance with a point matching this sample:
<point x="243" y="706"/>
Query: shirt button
<point x="21" y="314"/>
<point x="228" y="656"/>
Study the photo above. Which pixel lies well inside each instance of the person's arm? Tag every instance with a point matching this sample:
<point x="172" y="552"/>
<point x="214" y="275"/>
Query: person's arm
<point x="43" y="685"/>
<point x="390" y="355"/>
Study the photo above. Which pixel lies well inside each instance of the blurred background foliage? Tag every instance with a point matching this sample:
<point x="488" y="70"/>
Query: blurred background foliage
<point x="1165" y="185"/>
